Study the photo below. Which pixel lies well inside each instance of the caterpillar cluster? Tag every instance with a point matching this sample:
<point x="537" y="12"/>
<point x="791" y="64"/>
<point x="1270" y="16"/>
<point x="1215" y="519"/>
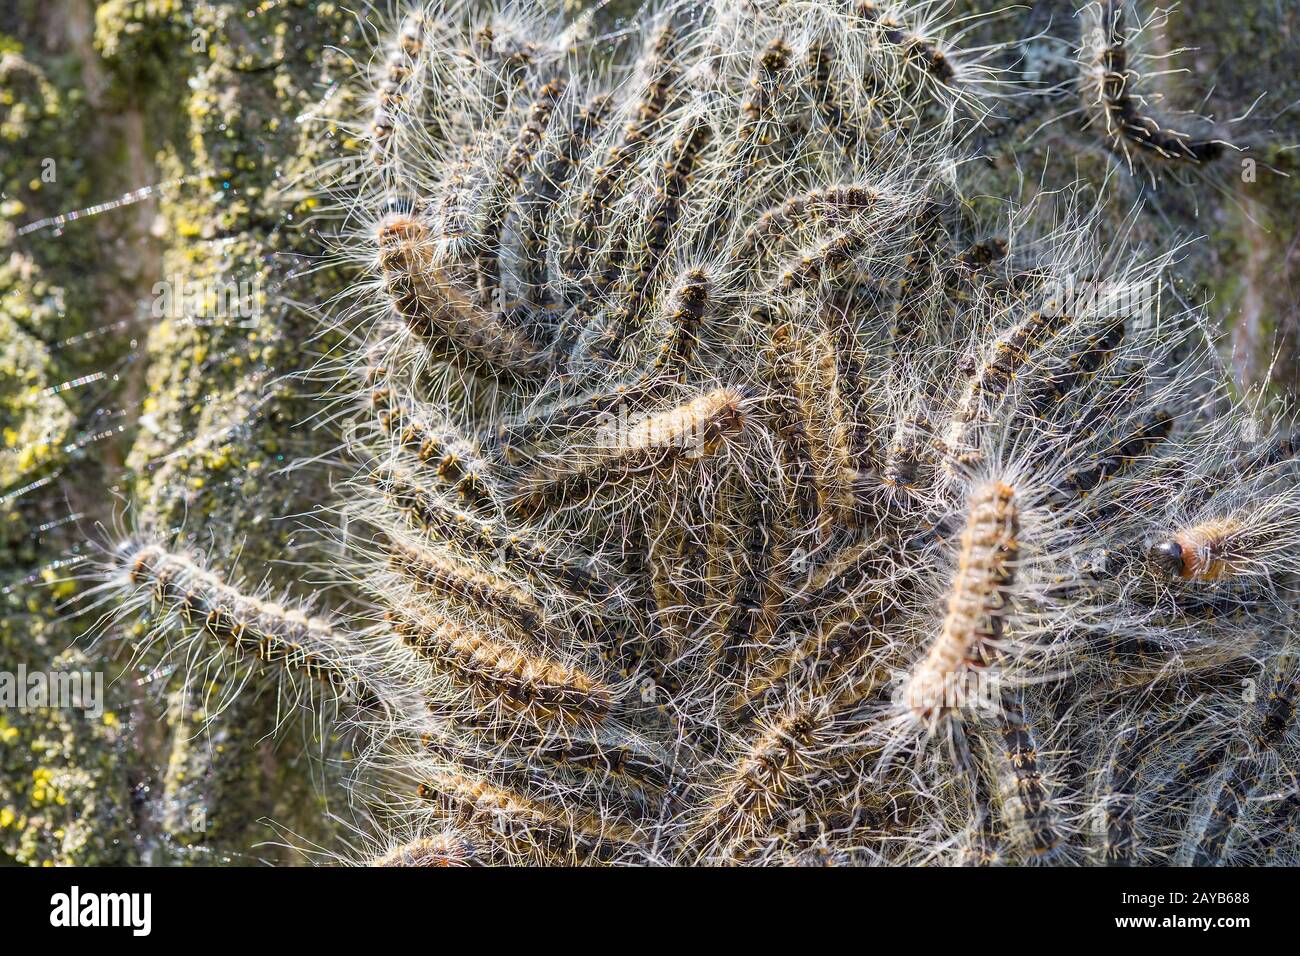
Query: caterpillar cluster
<point x="731" y="493"/>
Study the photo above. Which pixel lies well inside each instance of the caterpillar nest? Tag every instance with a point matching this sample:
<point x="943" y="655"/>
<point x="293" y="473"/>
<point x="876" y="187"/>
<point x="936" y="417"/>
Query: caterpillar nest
<point x="731" y="493"/>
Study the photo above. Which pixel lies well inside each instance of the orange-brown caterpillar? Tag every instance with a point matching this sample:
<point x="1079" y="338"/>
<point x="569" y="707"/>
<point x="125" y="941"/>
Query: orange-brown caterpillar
<point x="437" y="310"/>
<point x="536" y="829"/>
<point x="274" y="634"/>
<point x="822" y="262"/>
<point x="978" y="601"/>
<point x="447" y="849"/>
<point x="519" y="680"/>
<point x="752" y="595"/>
<point x="693" y="429"/>
<point x="477" y="589"/>
<point x="1206" y="551"/>
<point x="483" y="537"/>
<point x="603" y="751"/>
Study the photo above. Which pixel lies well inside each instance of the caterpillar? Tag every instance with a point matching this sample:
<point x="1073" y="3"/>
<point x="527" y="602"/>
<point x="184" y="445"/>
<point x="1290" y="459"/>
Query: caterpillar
<point x="435" y="309"/>
<point x="447" y="849"/>
<point x="513" y="166"/>
<point x="827" y="99"/>
<point x="808" y="414"/>
<point x="654" y="442"/>
<point x="1254" y="541"/>
<point x="994" y="377"/>
<point x="545" y="191"/>
<point x="662" y="75"/>
<point x="535" y="829"/>
<point x="459" y="582"/>
<point x="916" y="48"/>
<point x="639" y="281"/>
<point x="485" y="537"/>
<point x="284" y="637"/>
<point x="1024" y="794"/>
<point x="754" y="789"/>
<point x="1122" y="108"/>
<point x="532" y="684"/>
<point x="978" y="603"/>
<point x="832" y="205"/>
<point x="681" y="323"/>
<point x="447" y="454"/>
<point x="1275" y="716"/>
<point x="395" y="87"/>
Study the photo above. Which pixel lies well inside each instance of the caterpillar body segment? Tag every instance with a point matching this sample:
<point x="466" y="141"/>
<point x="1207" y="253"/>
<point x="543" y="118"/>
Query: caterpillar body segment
<point x="486" y="537"/>
<point x="978" y="604"/>
<point x="516" y="678"/>
<point x="558" y="168"/>
<point x="514" y="167"/>
<point x="681" y="321"/>
<point x="1218" y="828"/>
<point x="1255" y="541"/>
<point x="277" y="636"/>
<point x="537" y="832"/>
<point x="809" y="416"/>
<point x="1024" y="792"/>
<point x="992" y="380"/>
<point x="593" y="206"/>
<point x="447" y="849"/>
<point x="457" y="581"/>
<point x="448" y="457"/>
<point x="1111" y="83"/>
<point x="647" y="445"/>
<point x="438" y="310"/>
<point x="399" y="77"/>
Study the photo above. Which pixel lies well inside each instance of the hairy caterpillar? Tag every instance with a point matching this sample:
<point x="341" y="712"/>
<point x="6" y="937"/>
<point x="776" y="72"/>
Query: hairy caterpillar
<point x="447" y="849"/>
<point x="977" y="605"/>
<point x="513" y="168"/>
<point x="286" y="638"/>
<point x="457" y="581"/>
<point x="532" y="828"/>
<point x="1126" y="120"/>
<point x="537" y="686"/>
<point x="486" y="537"/>
<point x="691" y="430"/>
<point x="434" y="308"/>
